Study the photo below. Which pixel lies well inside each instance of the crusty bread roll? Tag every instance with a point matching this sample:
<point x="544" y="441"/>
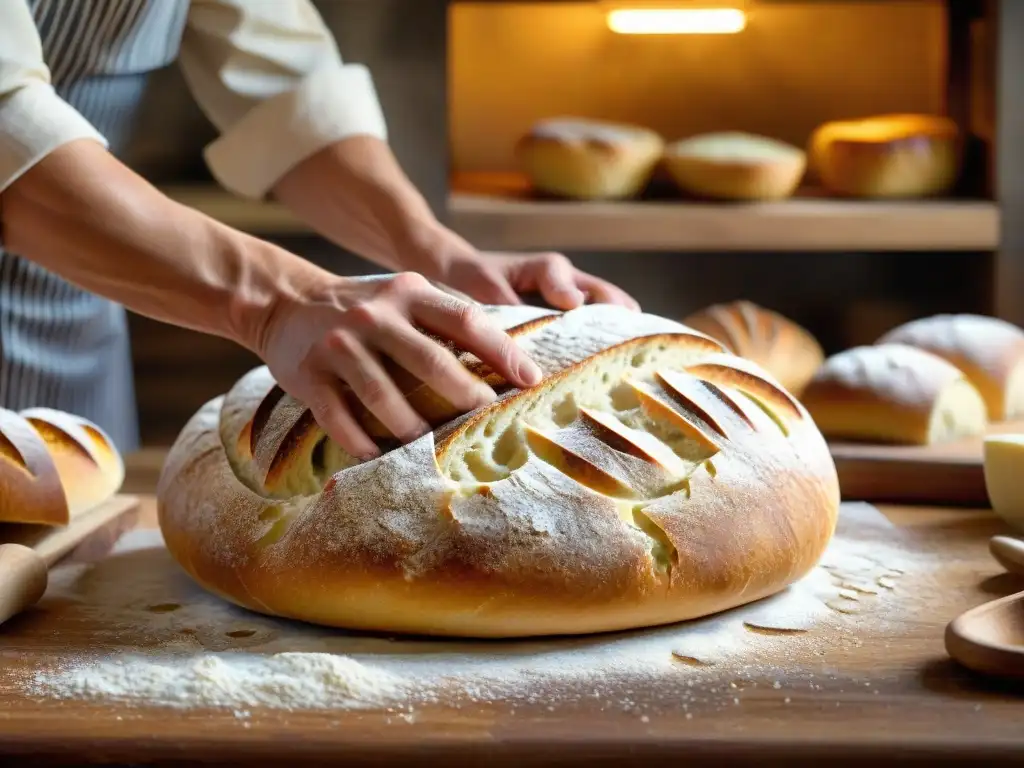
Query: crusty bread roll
<point x="53" y="465"/>
<point x="892" y="393"/>
<point x="735" y="166"/>
<point x="589" y="159"/>
<point x="989" y="351"/>
<point x="649" y="478"/>
<point x="780" y="346"/>
<point x="888" y="156"/>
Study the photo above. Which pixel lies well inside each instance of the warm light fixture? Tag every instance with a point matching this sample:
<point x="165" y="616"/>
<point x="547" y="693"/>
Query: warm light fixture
<point x="680" y="18"/>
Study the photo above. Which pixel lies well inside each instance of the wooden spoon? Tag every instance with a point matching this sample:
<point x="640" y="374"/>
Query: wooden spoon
<point x="1008" y="552"/>
<point x="990" y="637"/>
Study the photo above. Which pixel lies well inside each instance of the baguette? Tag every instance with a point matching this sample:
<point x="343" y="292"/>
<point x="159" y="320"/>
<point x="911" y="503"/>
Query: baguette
<point x="989" y="352"/>
<point x="893" y="393"/>
<point x="650" y="478"/>
<point x="783" y="348"/>
<point x="54" y="465"/>
<point x="589" y="159"/>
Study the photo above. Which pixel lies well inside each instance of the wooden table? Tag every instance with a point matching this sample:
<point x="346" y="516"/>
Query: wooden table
<point x="891" y="699"/>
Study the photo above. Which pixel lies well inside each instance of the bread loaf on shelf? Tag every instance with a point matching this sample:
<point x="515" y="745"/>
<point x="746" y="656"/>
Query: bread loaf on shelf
<point x="589" y="159"/>
<point x="887" y="156"/>
<point x="651" y="477"/>
<point x="54" y="465"/>
<point x="735" y="166"/>
<point x="780" y="346"/>
<point x="989" y="352"/>
<point x="892" y="393"/>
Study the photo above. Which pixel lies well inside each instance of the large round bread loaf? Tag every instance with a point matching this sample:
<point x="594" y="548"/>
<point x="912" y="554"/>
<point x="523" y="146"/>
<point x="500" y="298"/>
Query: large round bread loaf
<point x="651" y="477"/>
<point x="54" y="465"/>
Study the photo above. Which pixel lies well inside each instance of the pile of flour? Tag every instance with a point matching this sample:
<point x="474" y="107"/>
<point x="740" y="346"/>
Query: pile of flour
<point x="171" y="644"/>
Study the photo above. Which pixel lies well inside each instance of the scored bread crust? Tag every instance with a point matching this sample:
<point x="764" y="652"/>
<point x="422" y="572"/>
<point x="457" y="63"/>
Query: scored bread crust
<point x="886" y="156"/>
<point x="893" y="393"/>
<point x="651" y="477"/>
<point x="589" y="159"/>
<point x="54" y="465"/>
<point x="782" y="347"/>
<point x="989" y="351"/>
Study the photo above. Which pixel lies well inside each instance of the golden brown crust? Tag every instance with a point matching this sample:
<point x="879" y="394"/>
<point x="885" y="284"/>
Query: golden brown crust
<point x="589" y="159"/>
<point x="416" y="541"/>
<point x="783" y="348"/>
<point x="892" y="393"/>
<point x="735" y="166"/>
<point x="886" y="156"/>
<point x="989" y="351"/>
<point x="53" y="465"/>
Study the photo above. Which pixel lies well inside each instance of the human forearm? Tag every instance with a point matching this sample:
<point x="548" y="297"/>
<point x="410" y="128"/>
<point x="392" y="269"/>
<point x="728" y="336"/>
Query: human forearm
<point x="355" y="193"/>
<point x="85" y="216"/>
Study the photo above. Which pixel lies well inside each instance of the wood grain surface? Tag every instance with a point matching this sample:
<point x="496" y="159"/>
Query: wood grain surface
<point x="500" y="212"/>
<point x="889" y="696"/>
<point x="949" y="473"/>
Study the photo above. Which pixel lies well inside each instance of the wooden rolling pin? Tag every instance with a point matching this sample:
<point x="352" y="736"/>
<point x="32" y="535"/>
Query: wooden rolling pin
<point x="29" y="551"/>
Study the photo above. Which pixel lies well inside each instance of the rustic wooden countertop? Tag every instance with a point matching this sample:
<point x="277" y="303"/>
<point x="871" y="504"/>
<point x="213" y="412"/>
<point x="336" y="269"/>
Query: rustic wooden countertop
<point x="892" y="698"/>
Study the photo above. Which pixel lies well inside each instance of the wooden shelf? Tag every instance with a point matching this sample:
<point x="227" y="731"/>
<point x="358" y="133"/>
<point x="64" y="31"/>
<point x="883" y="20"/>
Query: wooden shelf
<point x="497" y="212"/>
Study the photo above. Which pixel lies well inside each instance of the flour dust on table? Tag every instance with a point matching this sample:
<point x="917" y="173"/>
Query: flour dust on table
<point x="163" y="642"/>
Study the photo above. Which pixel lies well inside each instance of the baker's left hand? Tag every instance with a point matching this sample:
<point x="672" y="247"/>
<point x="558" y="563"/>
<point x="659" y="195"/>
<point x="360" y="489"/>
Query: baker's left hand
<point x="500" y="278"/>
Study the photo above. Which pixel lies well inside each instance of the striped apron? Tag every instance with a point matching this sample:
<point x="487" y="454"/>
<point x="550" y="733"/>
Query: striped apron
<point x="61" y="346"/>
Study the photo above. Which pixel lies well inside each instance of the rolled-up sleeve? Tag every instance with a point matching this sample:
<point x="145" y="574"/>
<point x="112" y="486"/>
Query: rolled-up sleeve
<point x="34" y="120"/>
<point x="268" y="75"/>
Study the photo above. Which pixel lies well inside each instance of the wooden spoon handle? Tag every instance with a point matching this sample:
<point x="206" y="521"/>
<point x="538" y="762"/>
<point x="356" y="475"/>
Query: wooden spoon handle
<point x="23" y="579"/>
<point x="1008" y="552"/>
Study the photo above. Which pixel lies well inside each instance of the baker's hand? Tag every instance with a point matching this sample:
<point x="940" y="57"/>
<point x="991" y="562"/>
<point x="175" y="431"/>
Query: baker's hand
<point x="499" y="278"/>
<point x="336" y="331"/>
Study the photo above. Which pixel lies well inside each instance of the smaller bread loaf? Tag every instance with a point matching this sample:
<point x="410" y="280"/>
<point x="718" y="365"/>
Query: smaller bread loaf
<point x="888" y="156"/>
<point x="54" y="465"/>
<point x="589" y="159"/>
<point x="892" y="393"/>
<point x="735" y="166"/>
<point x="989" y="352"/>
<point x="780" y="346"/>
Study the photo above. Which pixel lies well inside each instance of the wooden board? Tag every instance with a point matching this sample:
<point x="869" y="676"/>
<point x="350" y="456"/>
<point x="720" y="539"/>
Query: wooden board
<point x="103" y="523"/>
<point x="950" y="473"/>
<point x="883" y="697"/>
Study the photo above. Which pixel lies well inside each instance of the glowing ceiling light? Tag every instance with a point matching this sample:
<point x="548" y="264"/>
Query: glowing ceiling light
<point x="676" y="21"/>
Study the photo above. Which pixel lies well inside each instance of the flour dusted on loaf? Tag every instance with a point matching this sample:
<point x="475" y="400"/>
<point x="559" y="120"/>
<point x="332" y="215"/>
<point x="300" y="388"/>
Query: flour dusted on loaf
<point x="589" y="159"/>
<point x="893" y="393"/>
<point x="649" y="478"/>
<point x="989" y="352"/>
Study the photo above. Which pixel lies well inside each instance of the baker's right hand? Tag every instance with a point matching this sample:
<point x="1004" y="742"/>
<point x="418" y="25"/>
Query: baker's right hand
<point x="334" y="332"/>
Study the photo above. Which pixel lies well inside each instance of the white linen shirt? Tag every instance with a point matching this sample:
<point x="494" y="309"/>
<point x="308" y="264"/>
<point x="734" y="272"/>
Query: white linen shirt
<point x="267" y="74"/>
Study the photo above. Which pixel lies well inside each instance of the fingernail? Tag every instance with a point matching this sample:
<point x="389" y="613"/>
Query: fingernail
<point x="529" y="373"/>
<point x="485" y="394"/>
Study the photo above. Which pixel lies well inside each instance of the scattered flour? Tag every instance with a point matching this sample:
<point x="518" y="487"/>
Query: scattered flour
<point x="280" y="681"/>
<point x="161" y="641"/>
